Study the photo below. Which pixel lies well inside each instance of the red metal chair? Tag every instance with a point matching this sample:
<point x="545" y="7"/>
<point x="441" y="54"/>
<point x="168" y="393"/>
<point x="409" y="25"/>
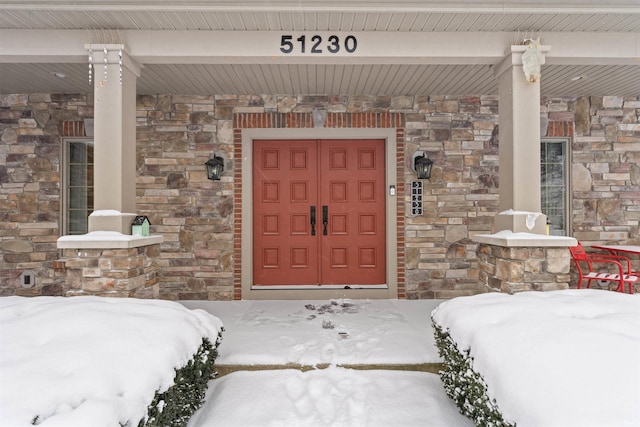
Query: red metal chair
<point x="614" y="262"/>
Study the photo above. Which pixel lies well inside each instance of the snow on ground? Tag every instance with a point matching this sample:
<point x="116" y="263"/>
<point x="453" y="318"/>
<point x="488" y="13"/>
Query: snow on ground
<point x="335" y="397"/>
<point x="317" y="332"/>
<point x="321" y="332"/>
<point x="564" y="358"/>
<point x="90" y="361"/>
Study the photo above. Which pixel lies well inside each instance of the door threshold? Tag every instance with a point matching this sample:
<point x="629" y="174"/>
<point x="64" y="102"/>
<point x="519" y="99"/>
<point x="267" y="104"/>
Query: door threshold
<point x="307" y="287"/>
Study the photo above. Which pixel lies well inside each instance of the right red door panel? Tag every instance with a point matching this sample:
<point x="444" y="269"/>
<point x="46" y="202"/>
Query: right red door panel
<point x="353" y="197"/>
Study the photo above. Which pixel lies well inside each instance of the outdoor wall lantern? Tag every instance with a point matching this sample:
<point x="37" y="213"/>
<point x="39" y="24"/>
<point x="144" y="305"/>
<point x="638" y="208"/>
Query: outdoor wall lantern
<point x="215" y="167"/>
<point x="422" y="165"/>
<point x="319" y="117"/>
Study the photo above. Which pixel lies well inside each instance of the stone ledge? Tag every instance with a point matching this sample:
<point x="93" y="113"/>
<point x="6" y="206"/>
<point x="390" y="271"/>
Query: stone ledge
<point x="107" y="240"/>
<point x="509" y="239"/>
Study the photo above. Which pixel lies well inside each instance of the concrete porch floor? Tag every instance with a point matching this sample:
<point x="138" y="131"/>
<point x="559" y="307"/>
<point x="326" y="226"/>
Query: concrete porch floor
<point x="312" y="334"/>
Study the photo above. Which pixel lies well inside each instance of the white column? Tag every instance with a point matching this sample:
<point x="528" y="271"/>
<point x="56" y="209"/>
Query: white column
<point x="519" y="146"/>
<point x="114" y="78"/>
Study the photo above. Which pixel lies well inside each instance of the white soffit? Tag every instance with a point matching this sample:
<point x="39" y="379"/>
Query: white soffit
<point x="595" y="45"/>
<point x="326" y="15"/>
<point x="532" y="21"/>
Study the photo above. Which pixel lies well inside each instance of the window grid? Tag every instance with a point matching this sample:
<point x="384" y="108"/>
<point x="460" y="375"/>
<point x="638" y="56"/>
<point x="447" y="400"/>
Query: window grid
<point x="78" y="185"/>
<point x="554" y="180"/>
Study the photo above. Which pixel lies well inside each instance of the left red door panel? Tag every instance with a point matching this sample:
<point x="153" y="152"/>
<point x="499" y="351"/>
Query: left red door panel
<point x="285" y="251"/>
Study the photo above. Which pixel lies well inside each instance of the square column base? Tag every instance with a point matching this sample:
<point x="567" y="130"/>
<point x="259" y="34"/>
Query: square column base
<point x="111" y="220"/>
<point x="520" y="222"/>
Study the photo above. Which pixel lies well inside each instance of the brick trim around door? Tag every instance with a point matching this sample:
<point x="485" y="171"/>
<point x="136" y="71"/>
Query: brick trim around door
<point x="383" y="120"/>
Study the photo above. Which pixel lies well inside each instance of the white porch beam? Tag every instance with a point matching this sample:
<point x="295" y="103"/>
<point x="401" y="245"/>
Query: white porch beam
<point x="258" y="47"/>
<point x="592" y="48"/>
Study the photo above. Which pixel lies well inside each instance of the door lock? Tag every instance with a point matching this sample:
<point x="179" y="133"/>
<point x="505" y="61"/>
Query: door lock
<point x="312" y="214"/>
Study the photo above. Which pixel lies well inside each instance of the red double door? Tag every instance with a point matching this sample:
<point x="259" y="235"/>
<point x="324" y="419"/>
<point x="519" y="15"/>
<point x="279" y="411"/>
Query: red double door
<point x="318" y="212"/>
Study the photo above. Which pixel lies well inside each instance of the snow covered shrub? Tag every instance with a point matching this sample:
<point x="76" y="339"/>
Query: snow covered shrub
<point x="175" y="406"/>
<point x="465" y="386"/>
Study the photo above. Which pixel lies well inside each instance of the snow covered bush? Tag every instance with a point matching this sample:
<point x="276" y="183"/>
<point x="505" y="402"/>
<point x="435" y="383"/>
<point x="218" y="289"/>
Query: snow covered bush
<point x="465" y="386"/>
<point x="175" y="406"/>
<point x="559" y="358"/>
<point x="95" y="361"/>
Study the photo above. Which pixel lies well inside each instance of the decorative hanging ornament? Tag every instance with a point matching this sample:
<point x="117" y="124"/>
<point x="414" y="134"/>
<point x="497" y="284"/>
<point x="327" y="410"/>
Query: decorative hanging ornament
<point x="90" y="65"/>
<point x="105" y="63"/>
<point x="120" y="64"/>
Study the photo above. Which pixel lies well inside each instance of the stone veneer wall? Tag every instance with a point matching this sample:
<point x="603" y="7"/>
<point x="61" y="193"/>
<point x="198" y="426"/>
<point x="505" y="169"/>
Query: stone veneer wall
<point x="605" y="165"/>
<point x="177" y="134"/>
<point x="131" y="272"/>
<point x="31" y="130"/>
<point x="460" y="134"/>
<point x="514" y="269"/>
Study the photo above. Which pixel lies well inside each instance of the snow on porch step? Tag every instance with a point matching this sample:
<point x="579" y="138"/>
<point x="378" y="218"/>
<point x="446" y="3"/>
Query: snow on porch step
<point x="328" y="397"/>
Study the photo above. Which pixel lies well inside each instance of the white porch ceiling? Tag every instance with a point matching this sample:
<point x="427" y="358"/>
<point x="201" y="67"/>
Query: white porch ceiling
<point x="601" y="75"/>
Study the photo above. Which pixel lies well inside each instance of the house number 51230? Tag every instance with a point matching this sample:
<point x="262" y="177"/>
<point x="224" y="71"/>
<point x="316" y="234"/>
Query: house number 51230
<point x="316" y="44"/>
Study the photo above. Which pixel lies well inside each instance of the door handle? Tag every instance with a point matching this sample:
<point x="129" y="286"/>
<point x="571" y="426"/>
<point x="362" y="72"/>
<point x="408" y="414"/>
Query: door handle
<point x="325" y="219"/>
<point x="312" y="214"/>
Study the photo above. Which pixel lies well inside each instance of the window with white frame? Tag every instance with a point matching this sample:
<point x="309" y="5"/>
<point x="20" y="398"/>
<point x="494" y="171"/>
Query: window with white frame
<point x="554" y="179"/>
<point x="77" y="184"/>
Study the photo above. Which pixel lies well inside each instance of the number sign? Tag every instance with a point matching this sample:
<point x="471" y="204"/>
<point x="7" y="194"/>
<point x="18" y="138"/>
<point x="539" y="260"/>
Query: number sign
<point x="316" y="44"/>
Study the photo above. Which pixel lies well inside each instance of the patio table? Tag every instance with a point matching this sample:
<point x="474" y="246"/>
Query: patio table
<point x="629" y="249"/>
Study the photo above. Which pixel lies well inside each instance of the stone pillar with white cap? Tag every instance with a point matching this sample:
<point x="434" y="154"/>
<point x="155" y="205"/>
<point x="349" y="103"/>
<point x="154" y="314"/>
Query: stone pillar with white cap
<point x="519" y="256"/>
<point x="109" y="261"/>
